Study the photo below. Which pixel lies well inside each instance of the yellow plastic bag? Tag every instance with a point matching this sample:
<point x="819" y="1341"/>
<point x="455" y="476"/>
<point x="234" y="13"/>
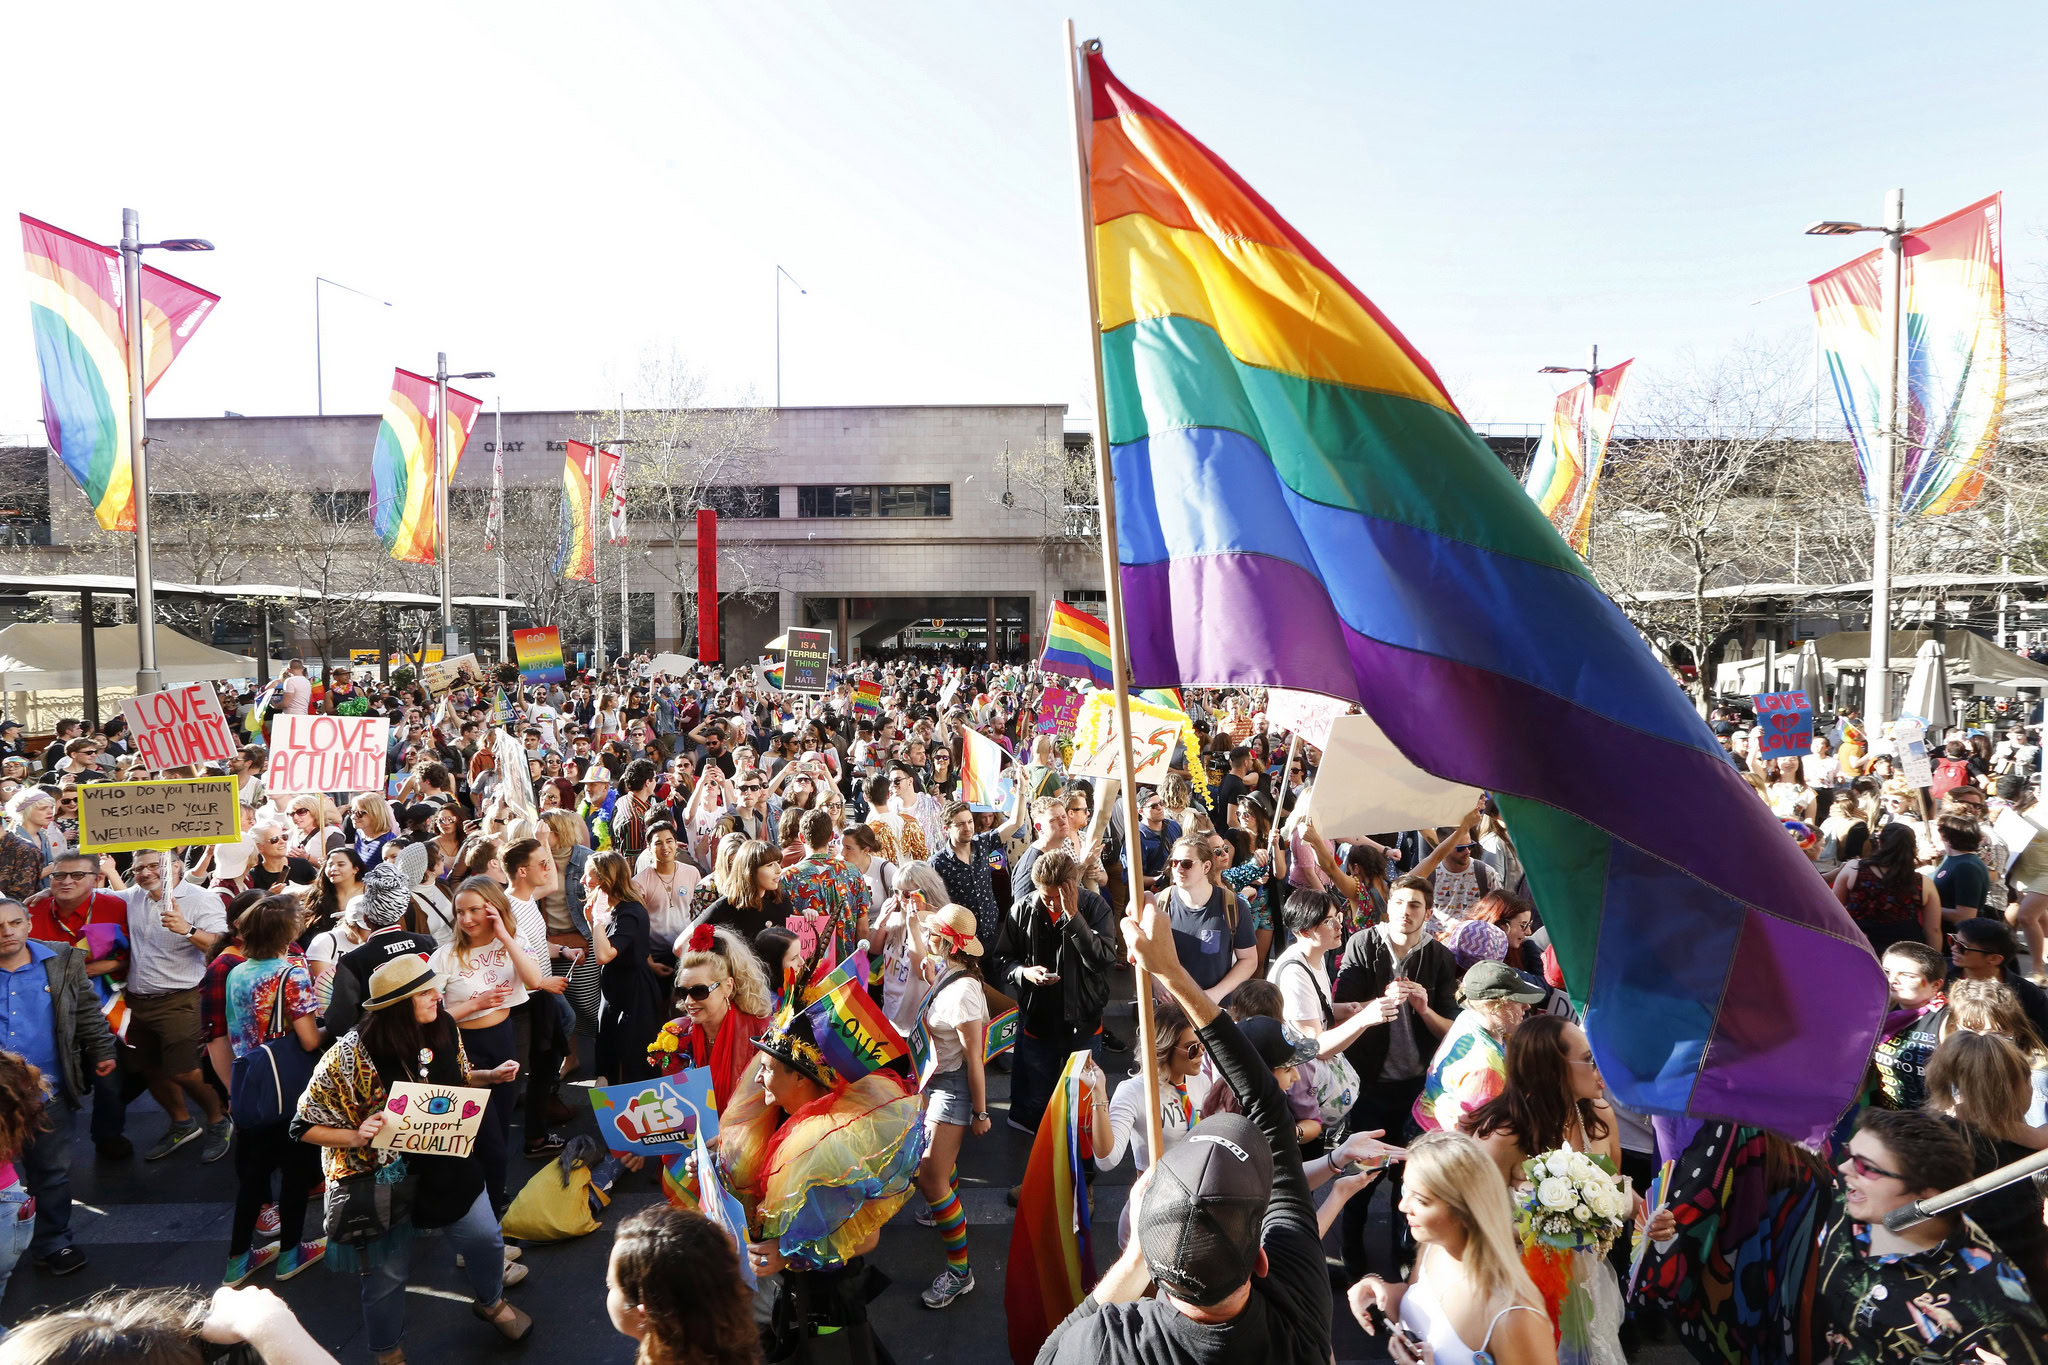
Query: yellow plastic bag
<point x="551" y="1209"/>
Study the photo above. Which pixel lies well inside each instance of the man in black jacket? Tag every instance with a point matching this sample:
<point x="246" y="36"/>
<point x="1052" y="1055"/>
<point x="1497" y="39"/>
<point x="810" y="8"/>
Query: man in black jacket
<point x="1057" y="947"/>
<point x="1223" y="1221"/>
<point x="50" y="1015"/>
<point x="1410" y="982"/>
<point x="387" y="895"/>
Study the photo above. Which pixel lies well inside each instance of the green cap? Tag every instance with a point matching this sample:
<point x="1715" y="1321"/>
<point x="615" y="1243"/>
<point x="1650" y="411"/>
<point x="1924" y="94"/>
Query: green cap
<point x="1498" y="981"/>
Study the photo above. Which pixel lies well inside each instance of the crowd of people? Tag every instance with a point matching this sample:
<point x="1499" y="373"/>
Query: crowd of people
<point x="627" y="874"/>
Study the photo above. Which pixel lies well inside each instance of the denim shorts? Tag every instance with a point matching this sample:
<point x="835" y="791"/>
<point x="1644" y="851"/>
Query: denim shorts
<point x="946" y="1101"/>
<point x="15" y="1230"/>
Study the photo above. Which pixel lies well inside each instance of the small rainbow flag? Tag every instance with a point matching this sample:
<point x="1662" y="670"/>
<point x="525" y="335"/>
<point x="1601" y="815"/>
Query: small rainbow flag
<point x="854" y="1035"/>
<point x="577" y="557"/>
<point x="1164" y="696"/>
<point x="981" y="766"/>
<point x="1076" y="645"/>
<point x="1052" y="1253"/>
<point x="1001" y="1035"/>
<point x="867" y="698"/>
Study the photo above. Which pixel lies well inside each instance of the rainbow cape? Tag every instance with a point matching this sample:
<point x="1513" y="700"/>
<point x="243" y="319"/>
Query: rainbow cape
<point x="1076" y="645"/>
<point x="577" y="556"/>
<point x="1052" y="1249"/>
<point x="1301" y="505"/>
<point x="75" y="314"/>
<point x="402" y="503"/>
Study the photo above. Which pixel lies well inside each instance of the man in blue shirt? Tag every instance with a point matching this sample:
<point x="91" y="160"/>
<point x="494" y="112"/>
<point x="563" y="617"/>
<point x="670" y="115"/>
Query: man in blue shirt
<point x="50" y="1015"/>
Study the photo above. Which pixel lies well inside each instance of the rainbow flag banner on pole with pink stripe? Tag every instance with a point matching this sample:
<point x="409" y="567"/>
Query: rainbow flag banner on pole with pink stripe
<point x="1300" y="504"/>
<point x="1566" y="468"/>
<point x="76" y="315"/>
<point x="402" y="503"/>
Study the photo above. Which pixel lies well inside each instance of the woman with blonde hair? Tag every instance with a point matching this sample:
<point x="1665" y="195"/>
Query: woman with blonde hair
<point x="315" y="831"/>
<point x="1993" y="1007"/>
<point x="723" y="996"/>
<point x="899" y="940"/>
<point x="1468" y="1297"/>
<point x="374" y="831"/>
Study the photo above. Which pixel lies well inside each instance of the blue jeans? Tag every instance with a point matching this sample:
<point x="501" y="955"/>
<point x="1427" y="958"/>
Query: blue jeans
<point x="15" y="1232"/>
<point x="109" y="1110"/>
<point x="482" y="1247"/>
<point x="1038" y="1065"/>
<point x="45" y="1165"/>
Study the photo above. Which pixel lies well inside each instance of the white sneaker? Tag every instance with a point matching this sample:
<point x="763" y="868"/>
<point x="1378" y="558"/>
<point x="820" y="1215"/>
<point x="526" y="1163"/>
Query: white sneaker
<point x="947" y="1288"/>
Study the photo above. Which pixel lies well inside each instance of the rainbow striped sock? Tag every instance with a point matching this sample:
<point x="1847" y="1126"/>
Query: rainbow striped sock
<point x="951" y="1221"/>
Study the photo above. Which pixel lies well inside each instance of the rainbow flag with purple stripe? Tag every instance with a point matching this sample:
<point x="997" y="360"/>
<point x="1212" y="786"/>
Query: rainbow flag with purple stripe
<point x="403" y="507"/>
<point x="576" y="557"/>
<point x="1301" y="505"/>
<point x="854" y="1035"/>
<point x="867" y="698"/>
<point x="1076" y="645"/>
<point x="1052" y="1247"/>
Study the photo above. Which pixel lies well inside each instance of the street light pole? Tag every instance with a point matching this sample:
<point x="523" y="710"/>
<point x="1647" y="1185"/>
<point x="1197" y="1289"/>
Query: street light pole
<point x="625" y="552"/>
<point x="1592" y="372"/>
<point x="780" y="276"/>
<point x="442" y="473"/>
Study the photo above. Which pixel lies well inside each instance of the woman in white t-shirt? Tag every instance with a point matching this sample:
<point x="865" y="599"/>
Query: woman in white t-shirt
<point x="488" y="973"/>
<point x="956" y="1094"/>
<point x="325" y="948"/>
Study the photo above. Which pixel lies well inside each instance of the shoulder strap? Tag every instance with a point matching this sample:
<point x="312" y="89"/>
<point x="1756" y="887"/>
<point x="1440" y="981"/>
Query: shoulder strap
<point x="1496" y="1322"/>
<point x="1322" y="1001"/>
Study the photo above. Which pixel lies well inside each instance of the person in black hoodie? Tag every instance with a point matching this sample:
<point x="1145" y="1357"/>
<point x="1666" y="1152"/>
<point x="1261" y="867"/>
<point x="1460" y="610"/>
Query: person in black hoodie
<point x="387" y="895"/>
<point x="1057" y="948"/>
<point x="1222" y="1221"/>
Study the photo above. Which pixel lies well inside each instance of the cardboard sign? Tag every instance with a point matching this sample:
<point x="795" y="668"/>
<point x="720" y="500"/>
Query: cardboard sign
<point x="445" y="675"/>
<point x="1308" y="714"/>
<point x="1366" y="786"/>
<point x="179" y="726"/>
<point x="1909" y="738"/>
<point x="674" y="665"/>
<point x="540" y="655"/>
<point x="1059" y="708"/>
<point x="721" y="1206"/>
<point x="1784" y="725"/>
<point x="327" y="754"/>
<point x="1155" y="732"/>
<point x="120" y="817"/>
<point x="433" y="1120"/>
<point x="661" y="1117"/>
<point x="2016" y="831"/>
<point x="807" y="661"/>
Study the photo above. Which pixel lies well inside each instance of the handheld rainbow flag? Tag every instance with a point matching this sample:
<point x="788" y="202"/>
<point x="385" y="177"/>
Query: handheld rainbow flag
<point x="1168" y="697"/>
<point x="853" y="1034"/>
<point x="1287" y="463"/>
<point x="981" y="768"/>
<point x="1076" y="645"/>
<point x="1001" y="1035"/>
<point x="402" y="503"/>
<point x="576" y="558"/>
<point x="76" y="316"/>
<point x="867" y="698"/>
<point x="1567" y="466"/>
<point x="1052" y="1248"/>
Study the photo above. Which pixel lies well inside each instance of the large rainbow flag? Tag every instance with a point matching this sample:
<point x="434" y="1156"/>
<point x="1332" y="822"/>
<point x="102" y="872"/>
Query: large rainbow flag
<point x="1566" y="469"/>
<point x="1301" y="505"/>
<point x="1955" y="356"/>
<point x="576" y="558"/>
<point x="1076" y="645"/>
<point x="1052" y="1247"/>
<point x="402" y="503"/>
<point x="75" y="313"/>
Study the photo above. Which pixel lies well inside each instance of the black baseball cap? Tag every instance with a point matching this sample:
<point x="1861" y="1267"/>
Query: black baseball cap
<point x="1276" y="1044"/>
<point x="1201" y="1214"/>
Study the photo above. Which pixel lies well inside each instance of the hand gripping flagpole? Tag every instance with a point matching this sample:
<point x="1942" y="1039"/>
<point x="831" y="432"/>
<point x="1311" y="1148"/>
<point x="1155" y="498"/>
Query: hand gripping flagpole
<point x="1119" y="662"/>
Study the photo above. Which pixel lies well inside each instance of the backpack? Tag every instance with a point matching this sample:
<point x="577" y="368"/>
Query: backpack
<point x="1949" y="774"/>
<point x="267" y="1081"/>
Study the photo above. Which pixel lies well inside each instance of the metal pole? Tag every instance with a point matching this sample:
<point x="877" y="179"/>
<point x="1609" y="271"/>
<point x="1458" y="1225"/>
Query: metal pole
<point x="504" y="617"/>
<point x="625" y="557"/>
<point x="89" y="661"/>
<point x="778" y="336"/>
<point x="596" y="578"/>
<point x="319" y="377"/>
<point x="1105" y="484"/>
<point x="441" y="502"/>
<point x="147" y="678"/>
<point x="2004" y="566"/>
<point x="1877" y="700"/>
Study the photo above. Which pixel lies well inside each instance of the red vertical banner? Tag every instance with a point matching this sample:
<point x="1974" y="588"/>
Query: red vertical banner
<point x="707" y="585"/>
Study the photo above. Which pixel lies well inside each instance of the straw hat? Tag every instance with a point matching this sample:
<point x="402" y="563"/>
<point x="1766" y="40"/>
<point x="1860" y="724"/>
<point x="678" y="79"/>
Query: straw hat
<point x="953" y="925"/>
<point x="402" y="978"/>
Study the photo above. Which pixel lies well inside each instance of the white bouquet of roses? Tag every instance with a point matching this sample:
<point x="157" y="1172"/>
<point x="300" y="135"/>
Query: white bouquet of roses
<point x="1570" y="1201"/>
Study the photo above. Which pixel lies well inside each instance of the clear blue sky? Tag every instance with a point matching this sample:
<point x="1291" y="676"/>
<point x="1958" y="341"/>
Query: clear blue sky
<point x="550" y="190"/>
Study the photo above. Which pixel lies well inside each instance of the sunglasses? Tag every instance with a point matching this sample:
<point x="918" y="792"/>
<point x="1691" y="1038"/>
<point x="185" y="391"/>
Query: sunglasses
<point x="72" y="876"/>
<point x="751" y="787"/>
<point x="1190" y="1050"/>
<point x="1870" y="1172"/>
<point x="698" y="993"/>
<point x="1183" y="863"/>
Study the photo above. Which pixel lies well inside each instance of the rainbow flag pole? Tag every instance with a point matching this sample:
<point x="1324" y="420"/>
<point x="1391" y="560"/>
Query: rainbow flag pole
<point x="1112" y="573"/>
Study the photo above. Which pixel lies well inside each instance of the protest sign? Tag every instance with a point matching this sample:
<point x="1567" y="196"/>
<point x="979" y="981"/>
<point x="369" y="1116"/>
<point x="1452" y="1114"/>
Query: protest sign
<point x="1059" y="708"/>
<point x="1366" y="786"/>
<point x="924" y="1058"/>
<point x="1784" y="724"/>
<point x="674" y="665"/>
<point x="120" y="817"/>
<point x="1307" y="714"/>
<point x="540" y="655"/>
<point x="660" y="1117"/>
<point x="1001" y="1035"/>
<point x="807" y="661"/>
<point x="1910" y="739"/>
<point x="179" y="726"/>
<point x="721" y="1206"/>
<point x="2015" y="831"/>
<point x="432" y="1120"/>
<point x="1155" y="730"/>
<point x="445" y="675"/>
<point x="327" y="754"/>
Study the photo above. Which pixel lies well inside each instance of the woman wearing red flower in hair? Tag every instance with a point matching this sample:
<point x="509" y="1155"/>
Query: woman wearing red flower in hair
<point x="723" y="995"/>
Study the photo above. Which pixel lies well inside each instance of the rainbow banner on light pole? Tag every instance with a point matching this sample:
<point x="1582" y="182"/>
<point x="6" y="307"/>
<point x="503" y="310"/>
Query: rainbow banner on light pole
<point x="402" y="503"/>
<point x="75" y="314"/>
<point x="1566" y="470"/>
<point x="577" y="557"/>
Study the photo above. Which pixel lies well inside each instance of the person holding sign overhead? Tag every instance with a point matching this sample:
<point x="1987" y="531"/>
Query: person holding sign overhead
<point x="405" y="1035"/>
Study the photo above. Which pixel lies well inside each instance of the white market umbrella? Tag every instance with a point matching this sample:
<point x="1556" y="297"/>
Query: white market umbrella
<point x="1927" y="692"/>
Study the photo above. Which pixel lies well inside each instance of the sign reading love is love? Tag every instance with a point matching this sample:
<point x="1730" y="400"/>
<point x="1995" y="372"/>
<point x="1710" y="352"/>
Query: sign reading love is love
<point x="1784" y="724"/>
<point x="433" y="1120"/>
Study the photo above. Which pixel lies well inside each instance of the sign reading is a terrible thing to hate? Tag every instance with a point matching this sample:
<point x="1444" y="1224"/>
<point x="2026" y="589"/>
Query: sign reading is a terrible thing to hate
<point x="327" y="754"/>
<point x="179" y="727"/>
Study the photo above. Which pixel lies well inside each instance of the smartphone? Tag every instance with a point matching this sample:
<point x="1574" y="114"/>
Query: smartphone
<point x="1406" y="1343"/>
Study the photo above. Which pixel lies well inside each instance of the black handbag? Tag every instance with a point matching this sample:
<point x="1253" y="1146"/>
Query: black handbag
<point x="265" y="1083"/>
<point x="362" y="1208"/>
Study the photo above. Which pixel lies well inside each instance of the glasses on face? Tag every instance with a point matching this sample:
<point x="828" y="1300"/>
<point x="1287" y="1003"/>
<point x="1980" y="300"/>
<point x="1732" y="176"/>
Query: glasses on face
<point x="1583" y="1061"/>
<point x="72" y="876"/>
<point x="750" y="786"/>
<point x="1959" y="945"/>
<point x="698" y="993"/>
<point x="1869" y="1172"/>
<point x="1182" y="864"/>
<point x="1190" y="1050"/>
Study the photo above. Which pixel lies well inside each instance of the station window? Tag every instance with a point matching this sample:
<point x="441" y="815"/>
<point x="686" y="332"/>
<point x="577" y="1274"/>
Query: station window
<point x="875" y="500"/>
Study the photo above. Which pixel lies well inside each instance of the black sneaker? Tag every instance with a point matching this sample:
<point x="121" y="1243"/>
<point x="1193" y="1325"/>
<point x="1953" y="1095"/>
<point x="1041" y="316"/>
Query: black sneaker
<point x="1112" y="1043"/>
<point x="115" y="1148"/>
<point x="68" y="1261"/>
<point x="547" y="1145"/>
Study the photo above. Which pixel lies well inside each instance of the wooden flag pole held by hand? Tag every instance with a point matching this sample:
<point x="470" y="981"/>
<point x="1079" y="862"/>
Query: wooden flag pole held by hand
<point x="1119" y="652"/>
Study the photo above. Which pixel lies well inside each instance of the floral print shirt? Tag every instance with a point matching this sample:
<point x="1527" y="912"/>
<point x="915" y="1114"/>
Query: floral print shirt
<point x="1952" y="1302"/>
<point x="829" y="889"/>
